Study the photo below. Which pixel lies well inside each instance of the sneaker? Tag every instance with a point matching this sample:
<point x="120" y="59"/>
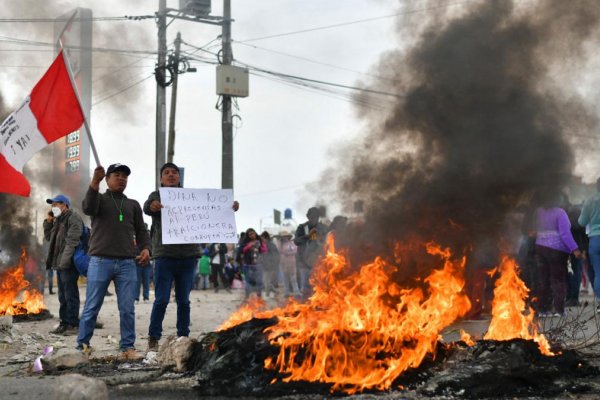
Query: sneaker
<point x="71" y="330"/>
<point x="152" y="344"/>
<point x="85" y="348"/>
<point x="130" y="354"/>
<point x="598" y="308"/>
<point x="59" y="330"/>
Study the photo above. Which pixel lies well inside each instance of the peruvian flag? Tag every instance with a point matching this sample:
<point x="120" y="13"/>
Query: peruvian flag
<point x="50" y="112"/>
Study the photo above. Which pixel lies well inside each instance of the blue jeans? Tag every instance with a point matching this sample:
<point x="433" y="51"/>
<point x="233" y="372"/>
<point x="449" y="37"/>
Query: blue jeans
<point x="101" y="272"/>
<point x="305" y="287"/>
<point x="143" y="281"/>
<point x="166" y="271"/>
<point x="68" y="297"/>
<point x="253" y="279"/>
<point x="594" y="252"/>
<point x="203" y="281"/>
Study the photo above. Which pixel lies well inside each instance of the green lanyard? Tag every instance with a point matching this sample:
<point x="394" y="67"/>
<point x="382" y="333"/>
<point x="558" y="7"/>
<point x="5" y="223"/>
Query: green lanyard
<point x="119" y="208"/>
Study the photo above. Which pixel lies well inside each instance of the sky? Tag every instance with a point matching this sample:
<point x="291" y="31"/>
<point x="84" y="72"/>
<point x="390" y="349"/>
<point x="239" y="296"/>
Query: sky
<point x="284" y="134"/>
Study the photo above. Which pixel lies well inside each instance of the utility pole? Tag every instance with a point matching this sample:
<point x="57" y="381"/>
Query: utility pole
<point x="226" y="117"/>
<point x="175" y="71"/>
<point x="161" y="103"/>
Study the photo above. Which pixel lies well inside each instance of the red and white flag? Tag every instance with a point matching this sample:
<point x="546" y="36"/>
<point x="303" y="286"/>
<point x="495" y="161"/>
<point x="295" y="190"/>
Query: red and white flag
<point x="50" y="112"/>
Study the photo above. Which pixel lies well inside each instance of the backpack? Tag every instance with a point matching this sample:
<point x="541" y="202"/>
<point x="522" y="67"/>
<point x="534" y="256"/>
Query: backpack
<point x="81" y="258"/>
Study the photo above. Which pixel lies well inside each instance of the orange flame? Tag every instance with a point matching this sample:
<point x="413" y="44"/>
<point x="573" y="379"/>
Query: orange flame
<point x="254" y="307"/>
<point x="12" y="285"/>
<point x="510" y="317"/>
<point x="465" y="337"/>
<point x="359" y="330"/>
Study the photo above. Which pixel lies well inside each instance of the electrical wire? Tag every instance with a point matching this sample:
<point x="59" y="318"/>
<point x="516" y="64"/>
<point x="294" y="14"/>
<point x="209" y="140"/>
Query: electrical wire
<point x="360" y="21"/>
<point x="92" y="19"/>
<point x="317" y="62"/>
<point x="316" y="81"/>
<point x="299" y="83"/>
<point x="321" y="91"/>
<point x="203" y="47"/>
<point x="122" y="90"/>
<point x="8" y="39"/>
<point x="121" y="68"/>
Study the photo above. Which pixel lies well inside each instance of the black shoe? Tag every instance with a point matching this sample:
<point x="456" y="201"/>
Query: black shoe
<point x="51" y="292"/>
<point x="59" y="330"/>
<point x="71" y="330"/>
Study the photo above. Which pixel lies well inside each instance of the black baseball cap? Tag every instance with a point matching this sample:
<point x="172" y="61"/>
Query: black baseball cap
<point x="169" y="165"/>
<point x="118" y="167"/>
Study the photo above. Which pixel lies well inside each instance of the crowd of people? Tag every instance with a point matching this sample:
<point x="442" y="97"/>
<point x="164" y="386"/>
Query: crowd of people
<point x="560" y="247"/>
<point x="262" y="264"/>
<point x="558" y="255"/>
<point x="122" y="250"/>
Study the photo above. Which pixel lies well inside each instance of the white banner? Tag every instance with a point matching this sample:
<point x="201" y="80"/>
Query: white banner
<point x="197" y="216"/>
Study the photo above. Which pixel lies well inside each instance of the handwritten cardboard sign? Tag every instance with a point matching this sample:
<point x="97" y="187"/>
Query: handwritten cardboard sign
<point x="197" y="216"/>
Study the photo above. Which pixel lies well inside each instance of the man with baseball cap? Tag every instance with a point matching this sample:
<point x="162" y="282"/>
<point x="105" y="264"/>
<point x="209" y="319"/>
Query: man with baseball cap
<point x="62" y="229"/>
<point x="172" y="263"/>
<point x="310" y="239"/>
<point x="117" y="225"/>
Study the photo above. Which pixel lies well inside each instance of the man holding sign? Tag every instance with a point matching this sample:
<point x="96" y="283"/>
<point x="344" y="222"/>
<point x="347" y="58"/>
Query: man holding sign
<point x="176" y="238"/>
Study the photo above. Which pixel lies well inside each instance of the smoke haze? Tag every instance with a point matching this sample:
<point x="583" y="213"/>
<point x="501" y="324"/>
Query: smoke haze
<point x="484" y="117"/>
<point x="112" y="73"/>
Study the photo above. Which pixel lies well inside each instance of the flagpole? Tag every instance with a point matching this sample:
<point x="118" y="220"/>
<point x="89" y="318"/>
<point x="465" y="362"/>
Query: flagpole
<point x="76" y="90"/>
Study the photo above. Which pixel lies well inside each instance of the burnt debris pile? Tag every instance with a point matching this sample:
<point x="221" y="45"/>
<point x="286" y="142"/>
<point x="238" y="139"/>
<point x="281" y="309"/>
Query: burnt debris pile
<point x="28" y="317"/>
<point x="514" y="368"/>
<point x="231" y="363"/>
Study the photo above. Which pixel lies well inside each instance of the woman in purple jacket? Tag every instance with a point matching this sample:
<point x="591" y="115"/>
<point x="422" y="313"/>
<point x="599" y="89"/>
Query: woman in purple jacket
<point x="553" y="245"/>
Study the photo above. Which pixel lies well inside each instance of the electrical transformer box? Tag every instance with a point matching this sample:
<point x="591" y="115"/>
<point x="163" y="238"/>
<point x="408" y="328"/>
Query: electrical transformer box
<point x="232" y="81"/>
<point x="195" y="7"/>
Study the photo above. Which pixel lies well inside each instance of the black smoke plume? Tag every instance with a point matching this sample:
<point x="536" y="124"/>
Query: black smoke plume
<point x="480" y="121"/>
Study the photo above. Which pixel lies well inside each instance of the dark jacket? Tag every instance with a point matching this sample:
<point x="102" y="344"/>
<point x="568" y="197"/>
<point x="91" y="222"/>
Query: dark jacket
<point x="577" y="230"/>
<point x="167" y="250"/>
<point x="111" y="237"/>
<point x="309" y="249"/>
<point x="63" y="234"/>
<point x="212" y="252"/>
<point x="272" y="257"/>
